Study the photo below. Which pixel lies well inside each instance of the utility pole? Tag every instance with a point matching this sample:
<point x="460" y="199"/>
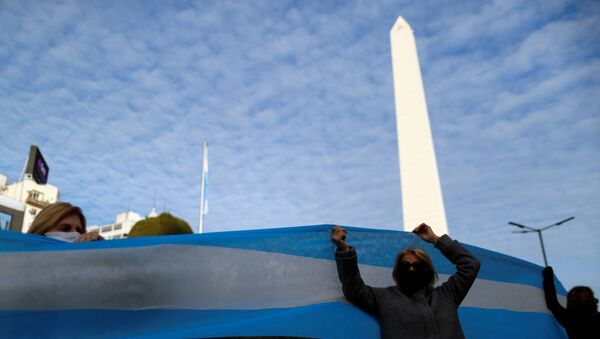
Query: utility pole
<point x="527" y="229"/>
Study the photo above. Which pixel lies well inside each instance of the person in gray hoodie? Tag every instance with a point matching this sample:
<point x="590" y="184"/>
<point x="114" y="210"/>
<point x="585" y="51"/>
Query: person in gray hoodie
<point x="413" y="308"/>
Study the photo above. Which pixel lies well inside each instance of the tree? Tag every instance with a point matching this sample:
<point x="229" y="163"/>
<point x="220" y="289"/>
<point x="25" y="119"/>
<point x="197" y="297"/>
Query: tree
<point x="164" y="224"/>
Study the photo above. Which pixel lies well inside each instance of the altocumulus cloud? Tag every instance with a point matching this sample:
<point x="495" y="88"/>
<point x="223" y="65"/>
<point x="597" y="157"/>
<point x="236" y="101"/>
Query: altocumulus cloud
<point x="296" y="101"/>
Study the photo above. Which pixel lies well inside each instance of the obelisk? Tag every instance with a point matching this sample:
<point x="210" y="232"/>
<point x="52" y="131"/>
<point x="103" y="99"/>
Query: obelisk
<point x="421" y="191"/>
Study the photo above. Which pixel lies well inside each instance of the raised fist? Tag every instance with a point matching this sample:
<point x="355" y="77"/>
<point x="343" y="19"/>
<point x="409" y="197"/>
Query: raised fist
<point x="548" y="273"/>
<point x="426" y="233"/>
<point x="338" y="236"/>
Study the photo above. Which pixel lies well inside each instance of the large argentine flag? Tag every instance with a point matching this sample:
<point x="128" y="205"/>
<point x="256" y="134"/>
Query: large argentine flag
<point x="274" y="282"/>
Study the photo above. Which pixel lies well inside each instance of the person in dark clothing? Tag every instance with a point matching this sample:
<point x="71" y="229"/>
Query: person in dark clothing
<point x="581" y="318"/>
<point x="412" y="308"/>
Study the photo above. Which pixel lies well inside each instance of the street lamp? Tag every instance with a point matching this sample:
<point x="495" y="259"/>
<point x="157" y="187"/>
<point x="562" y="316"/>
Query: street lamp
<point x="528" y="229"/>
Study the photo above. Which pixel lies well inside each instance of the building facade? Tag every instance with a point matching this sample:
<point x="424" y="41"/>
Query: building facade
<point x="122" y="225"/>
<point x="21" y="201"/>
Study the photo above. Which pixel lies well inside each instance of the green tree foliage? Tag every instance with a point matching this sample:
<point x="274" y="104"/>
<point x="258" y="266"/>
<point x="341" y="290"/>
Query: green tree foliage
<point x="164" y="224"/>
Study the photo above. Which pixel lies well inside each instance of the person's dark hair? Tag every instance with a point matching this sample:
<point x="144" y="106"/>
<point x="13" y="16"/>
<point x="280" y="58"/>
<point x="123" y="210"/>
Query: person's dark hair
<point x="581" y="299"/>
<point x="53" y="214"/>
<point x="424" y="258"/>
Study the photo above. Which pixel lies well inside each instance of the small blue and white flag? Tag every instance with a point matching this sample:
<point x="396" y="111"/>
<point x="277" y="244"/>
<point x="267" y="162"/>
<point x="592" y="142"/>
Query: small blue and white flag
<point x="205" y="179"/>
<point x="204" y="188"/>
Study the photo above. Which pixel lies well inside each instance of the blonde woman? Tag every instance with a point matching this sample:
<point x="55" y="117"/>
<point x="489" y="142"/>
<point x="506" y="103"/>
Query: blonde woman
<point x="412" y="308"/>
<point x="62" y="221"/>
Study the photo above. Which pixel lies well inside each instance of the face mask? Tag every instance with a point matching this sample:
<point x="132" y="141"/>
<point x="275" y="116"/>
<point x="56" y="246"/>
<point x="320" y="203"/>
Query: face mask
<point x="63" y="236"/>
<point x="412" y="281"/>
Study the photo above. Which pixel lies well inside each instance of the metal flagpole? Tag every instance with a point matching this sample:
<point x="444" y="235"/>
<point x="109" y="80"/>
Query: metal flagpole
<point x="203" y="188"/>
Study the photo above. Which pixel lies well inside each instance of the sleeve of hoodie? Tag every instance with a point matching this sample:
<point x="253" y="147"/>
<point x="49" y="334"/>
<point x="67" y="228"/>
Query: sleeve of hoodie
<point x="467" y="267"/>
<point x="353" y="286"/>
<point x="559" y="312"/>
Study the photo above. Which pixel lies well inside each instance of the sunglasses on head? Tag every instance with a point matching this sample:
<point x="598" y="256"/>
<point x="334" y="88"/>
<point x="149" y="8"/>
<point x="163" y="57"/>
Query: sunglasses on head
<point x="418" y="266"/>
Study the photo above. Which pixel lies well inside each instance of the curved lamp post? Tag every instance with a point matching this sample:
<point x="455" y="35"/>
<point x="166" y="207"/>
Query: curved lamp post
<point x="527" y="229"/>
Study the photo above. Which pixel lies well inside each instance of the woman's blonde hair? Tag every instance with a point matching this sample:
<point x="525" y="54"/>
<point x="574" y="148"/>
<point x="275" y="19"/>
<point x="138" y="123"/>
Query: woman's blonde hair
<point x="51" y="215"/>
<point x="424" y="258"/>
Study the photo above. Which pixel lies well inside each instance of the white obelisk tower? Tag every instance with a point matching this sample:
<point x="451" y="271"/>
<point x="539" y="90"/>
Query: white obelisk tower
<point x="421" y="191"/>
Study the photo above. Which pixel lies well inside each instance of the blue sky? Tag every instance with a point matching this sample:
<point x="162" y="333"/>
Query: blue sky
<point x="296" y="101"/>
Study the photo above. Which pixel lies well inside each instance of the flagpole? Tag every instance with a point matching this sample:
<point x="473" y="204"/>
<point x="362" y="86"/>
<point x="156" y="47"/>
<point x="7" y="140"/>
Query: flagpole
<point x="203" y="187"/>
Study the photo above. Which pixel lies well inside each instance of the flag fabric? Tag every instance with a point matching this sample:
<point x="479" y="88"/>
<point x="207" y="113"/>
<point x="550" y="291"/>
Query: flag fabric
<point x="270" y="282"/>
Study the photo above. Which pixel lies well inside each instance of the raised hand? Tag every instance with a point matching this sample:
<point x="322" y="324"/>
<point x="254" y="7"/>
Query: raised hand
<point x="426" y="233"/>
<point x="338" y="236"/>
<point x="548" y="273"/>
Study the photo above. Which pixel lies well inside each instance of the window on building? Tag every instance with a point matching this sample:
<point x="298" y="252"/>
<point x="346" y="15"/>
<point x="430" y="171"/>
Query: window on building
<point x="35" y="195"/>
<point x="5" y="221"/>
<point x="106" y="229"/>
<point x="117" y="227"/>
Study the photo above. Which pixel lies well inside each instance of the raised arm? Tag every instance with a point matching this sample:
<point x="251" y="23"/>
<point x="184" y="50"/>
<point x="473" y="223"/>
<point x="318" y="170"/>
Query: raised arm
<point x="559" y="312"/>
<point x="467" y="265"/>
<point x="353" y="286"/>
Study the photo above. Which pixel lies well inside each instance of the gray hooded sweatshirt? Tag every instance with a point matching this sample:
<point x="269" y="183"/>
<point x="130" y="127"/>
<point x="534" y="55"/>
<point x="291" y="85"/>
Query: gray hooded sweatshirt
<point x="418" y="315"/>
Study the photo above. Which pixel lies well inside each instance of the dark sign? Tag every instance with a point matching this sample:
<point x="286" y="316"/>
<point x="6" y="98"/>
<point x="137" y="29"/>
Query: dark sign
<point x="37" y="166"/>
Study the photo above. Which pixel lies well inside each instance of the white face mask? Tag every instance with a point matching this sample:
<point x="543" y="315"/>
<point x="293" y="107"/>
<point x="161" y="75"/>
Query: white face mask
<point x="64" y="236"/>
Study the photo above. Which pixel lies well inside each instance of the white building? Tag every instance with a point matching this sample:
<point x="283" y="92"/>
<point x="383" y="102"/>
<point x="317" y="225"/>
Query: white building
<point x="21" y="201"/>
<point x="122" y="225"/>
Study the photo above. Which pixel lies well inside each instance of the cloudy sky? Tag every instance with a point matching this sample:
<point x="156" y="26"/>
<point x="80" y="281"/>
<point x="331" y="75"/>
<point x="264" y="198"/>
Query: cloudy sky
<point x="296" y="101"/>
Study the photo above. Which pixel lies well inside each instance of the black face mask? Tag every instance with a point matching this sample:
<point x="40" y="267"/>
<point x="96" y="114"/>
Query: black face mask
<point x="413" y="280"/>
